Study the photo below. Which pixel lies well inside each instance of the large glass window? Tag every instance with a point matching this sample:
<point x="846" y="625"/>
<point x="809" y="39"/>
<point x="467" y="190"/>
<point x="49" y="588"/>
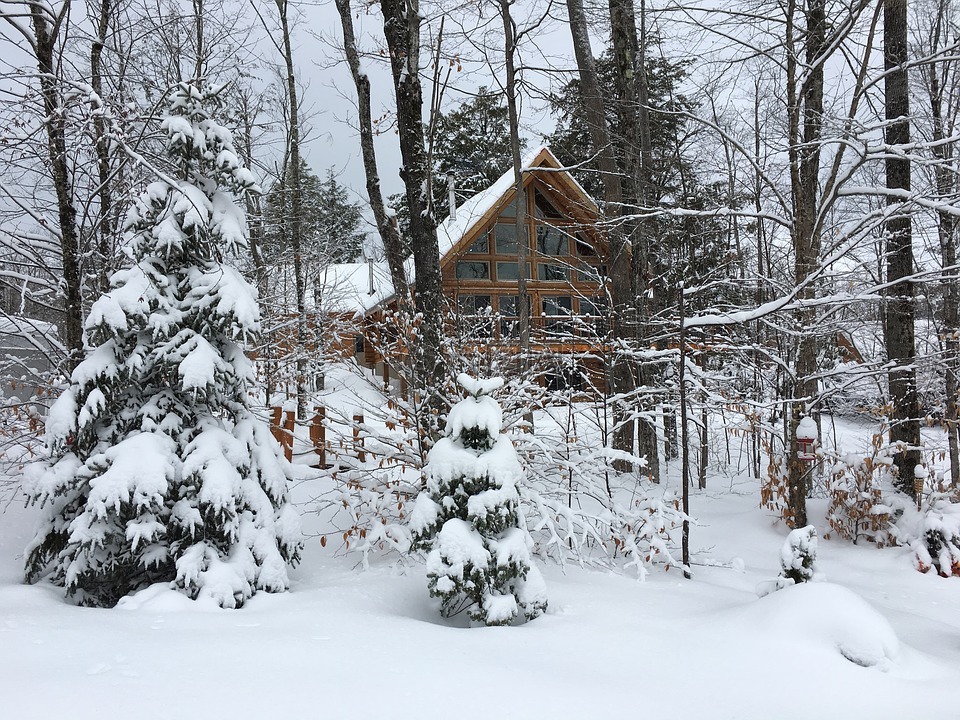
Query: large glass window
<point x="481" y="246"/>
<point x="474" y="304"/>
<point x="472" y="270"/>
<point x="552" y="273"/>
<point x="591" y="273"/>
<point x="509" y="316"/>
<point x="544" y="208"/>
<point x="511" y="209"/>
<point x="551" y="241"/>
<point x="508" y="271"/>
<point x="506" y="239"/>
<point x="557" y="310"/>
<point x="475" y="315"/>
<point x="584" y="248"/>
<point x="593" y="314"/>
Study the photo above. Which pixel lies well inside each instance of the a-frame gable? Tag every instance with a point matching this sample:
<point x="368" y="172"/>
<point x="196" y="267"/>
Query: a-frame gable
<point x="542" y="173"/>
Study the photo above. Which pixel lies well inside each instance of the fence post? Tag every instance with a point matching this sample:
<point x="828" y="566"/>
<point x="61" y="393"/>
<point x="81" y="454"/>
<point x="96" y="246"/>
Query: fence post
<point x="275" y="413"/>
<point x="288" y="435"/>
<point x="318" y="435"/>
<point x="358" y="438"/>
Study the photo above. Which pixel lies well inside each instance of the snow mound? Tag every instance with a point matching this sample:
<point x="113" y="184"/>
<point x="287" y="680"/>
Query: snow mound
<point x="832" y="616"/>
<point x="164" y="598"/>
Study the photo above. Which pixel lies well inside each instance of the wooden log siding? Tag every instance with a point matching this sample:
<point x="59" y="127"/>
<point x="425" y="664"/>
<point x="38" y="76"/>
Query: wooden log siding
<point x="568" y="255"/>
<point x="567" y="266"/>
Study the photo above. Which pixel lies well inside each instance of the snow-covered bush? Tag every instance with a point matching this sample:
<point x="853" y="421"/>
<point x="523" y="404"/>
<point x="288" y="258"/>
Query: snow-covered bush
<point x="798" y="556"/>
<point x="798" y="561"/>
<point x="578" y="507"/>
<point x="159" y="470"/>
<point x="855" y="491"/>
<point x="479" y="558"/>
<point x="933" y="531"/>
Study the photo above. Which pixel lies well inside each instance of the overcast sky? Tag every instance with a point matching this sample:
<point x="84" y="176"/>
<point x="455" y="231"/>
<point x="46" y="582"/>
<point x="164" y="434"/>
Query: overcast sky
<point x="329" y="96"/>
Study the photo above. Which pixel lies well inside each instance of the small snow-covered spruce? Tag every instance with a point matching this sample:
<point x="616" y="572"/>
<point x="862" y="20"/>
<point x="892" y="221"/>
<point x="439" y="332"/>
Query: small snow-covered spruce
<point x="938" y="544"/>
<point x="159" y="471"/>
<point x="798" y="561"/>
<point x="468" y="516"/>
<point x="798" y="556"/>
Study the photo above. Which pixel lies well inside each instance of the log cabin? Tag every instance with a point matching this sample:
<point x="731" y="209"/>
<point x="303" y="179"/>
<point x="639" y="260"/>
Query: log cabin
<point x="479" y="251"/>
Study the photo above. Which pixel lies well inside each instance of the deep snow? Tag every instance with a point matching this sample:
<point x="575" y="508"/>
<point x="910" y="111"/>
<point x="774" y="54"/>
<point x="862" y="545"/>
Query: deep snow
<point x="877" y="640"/>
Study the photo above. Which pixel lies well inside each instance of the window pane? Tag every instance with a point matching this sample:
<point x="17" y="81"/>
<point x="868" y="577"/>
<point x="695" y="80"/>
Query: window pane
<point x="506" y="240"/>
<point x="467" y="270"/>
<point x="592" y="274"/>
<point x="557" y="311"/>
<point x="584" y="248"/>
<point x="508" y="271"/>
<point x="588" y="308"/>
<point x="474" y="304"/>
<point x="509" y="322"/>
<point x="550" y="241"/>
<point x="552" y="273"/>
<point x="544" y="208"/>
<point x="480" y="246"/>
<point x="510" y="210"/>
<point x="560" y="305"/>
<point x="509" y="305"/>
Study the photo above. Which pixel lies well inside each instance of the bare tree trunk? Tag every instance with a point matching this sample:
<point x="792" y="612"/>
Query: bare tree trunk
<point x="523" y="240"/>
<point x="46" y="27"/>
<point x="684" y="438"/>
<point x="943" y="149"/>
<point x="621" y="378"/>
<point x="248" y="112"/>
<point x="386" y="223"/>
<point x="899" y="320"/>
<point x="636" y="151"/>
<point x="293" y="190"/>
<point x="401" y="26"/>
<point x="805" y="108"/>
<point x="105" y="226"/>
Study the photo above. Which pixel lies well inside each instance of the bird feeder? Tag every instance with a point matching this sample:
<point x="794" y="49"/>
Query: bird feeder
<point x="919" y="478"/>
<point x="806" y="439"/>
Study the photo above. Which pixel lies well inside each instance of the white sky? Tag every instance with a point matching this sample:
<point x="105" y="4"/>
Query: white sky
<point x="329" y="97"/>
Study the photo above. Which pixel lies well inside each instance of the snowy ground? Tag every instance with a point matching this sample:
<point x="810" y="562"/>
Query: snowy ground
<point x="878" y="641"/>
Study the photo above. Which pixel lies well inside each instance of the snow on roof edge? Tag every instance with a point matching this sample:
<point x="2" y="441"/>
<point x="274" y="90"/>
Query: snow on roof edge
<point x="449" y="233"/>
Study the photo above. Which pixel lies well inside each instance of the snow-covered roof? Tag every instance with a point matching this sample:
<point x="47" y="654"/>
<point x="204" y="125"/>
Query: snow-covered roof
<point x="348" y="285"/>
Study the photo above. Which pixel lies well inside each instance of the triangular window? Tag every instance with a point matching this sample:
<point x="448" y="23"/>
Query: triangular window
<point x="544" y="208"/>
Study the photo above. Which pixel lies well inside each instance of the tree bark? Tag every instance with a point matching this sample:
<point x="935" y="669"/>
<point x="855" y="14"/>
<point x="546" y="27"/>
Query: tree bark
<point x="293" y="190"/>
<point x="386" y="223"/>
<point x="635" y="150"/>
<point x="899" y="318"/>
<point x="105" y="227"/>
<point x="523" y="240"/>
<point x="943" y="152"/>
<point x="46" y="29"/>
<point x="805" y="123"/>
<point x="401" y="26"/>
<point x="618" y="264"/>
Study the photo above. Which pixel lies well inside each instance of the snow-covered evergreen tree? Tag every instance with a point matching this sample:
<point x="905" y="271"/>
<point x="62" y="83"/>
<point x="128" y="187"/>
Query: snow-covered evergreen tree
<point x="798" y="561"/>
<point x="159" y="471"/>
<point x="798" y="556"/>
<point x="468" y="515"/>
